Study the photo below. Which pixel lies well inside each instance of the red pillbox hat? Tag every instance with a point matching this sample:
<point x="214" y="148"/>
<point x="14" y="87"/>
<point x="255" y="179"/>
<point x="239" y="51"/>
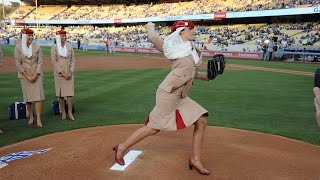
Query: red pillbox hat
<point x="27" y="31"/>
<point x="178" y="24"/>
<point x="62" y="31"/>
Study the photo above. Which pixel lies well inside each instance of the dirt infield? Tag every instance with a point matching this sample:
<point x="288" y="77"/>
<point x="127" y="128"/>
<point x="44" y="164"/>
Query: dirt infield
<point x="227" y="153"/>
<point x="110" y="62"/>
<point x="131" y="62"/>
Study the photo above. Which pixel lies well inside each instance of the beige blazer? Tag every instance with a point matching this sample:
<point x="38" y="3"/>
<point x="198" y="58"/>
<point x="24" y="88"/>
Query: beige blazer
<point x="32" y="91"/>
<point x="63" y="87"/>
<point x="32" y="65"/>
<point x="60" y="63"/>
<point x="183" y="70"/>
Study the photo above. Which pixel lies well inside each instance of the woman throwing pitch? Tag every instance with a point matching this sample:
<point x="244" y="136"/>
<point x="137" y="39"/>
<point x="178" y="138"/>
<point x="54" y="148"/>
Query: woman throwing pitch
<point x="174" y="110"/>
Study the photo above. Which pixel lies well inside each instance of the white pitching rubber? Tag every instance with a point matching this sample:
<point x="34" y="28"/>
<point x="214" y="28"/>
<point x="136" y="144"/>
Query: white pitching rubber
<point x="128" y="159"/>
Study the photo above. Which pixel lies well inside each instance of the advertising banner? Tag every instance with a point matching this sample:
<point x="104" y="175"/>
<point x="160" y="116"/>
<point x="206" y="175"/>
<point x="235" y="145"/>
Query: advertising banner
<point x="220" y="15"/>
<point x="240" y="55"/>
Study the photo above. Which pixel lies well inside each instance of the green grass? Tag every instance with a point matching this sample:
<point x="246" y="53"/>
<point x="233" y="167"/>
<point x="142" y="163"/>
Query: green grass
<point x="275" y="103"/>
<point x="276" y="64"/>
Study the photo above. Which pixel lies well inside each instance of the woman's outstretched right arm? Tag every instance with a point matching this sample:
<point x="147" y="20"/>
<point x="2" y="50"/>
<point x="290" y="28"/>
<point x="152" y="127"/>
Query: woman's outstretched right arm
<point x="153" y="37"/>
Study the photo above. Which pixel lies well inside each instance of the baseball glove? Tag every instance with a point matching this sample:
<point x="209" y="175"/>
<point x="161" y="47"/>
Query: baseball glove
<point x="215" y="66"/>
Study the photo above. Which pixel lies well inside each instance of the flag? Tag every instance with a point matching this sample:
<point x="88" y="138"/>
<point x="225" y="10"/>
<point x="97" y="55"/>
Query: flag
<point x="21" y="155"/>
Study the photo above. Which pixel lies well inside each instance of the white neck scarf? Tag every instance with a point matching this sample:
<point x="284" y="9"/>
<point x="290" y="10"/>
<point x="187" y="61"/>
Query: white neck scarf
<point x="62" y="51"/>
<point x="27" y="51"/>
<point x="174" y="47"/>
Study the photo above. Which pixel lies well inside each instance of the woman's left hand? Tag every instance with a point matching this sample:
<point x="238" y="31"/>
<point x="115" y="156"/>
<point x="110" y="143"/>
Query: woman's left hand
<point x="68" y="75"/>
<point x="34" y="78"/>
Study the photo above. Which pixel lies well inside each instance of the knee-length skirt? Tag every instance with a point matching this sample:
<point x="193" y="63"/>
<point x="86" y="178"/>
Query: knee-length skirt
<point x="172" y="112"/>
<point x="32" y="91"/>
<point x="64" y="87"/>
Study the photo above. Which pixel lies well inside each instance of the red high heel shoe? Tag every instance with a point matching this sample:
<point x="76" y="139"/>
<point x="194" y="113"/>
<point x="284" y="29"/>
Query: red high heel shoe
<point x="203" y="172"/>
<point x="119" y="161"/>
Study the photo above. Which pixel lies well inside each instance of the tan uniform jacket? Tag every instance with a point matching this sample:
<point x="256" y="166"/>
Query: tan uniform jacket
<point x="32" y="65"/>
<point x="174" y="109"/>
<point x="32" y="91"/>
<point x="62" y="63"/>
<point x="183" y="70"/>
<point x="64" y="87"/>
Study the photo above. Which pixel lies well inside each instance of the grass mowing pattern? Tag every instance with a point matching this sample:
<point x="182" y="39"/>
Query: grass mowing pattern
<point x="278" y="64"/>
<point x="275" y="103"/>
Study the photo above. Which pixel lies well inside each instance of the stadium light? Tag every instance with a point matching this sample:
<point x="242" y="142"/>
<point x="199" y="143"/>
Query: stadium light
<point x="36" y="1"/>
<point x="3" y="15"/>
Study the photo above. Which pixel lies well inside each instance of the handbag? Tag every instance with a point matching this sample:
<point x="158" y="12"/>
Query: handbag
<point x="56" y="110"/>
<point x="18" y="110"/>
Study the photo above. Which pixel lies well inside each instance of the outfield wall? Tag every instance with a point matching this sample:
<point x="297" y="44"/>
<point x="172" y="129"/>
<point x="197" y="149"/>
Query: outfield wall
<point x="240" y="55"/>
<point x="229" y="54"/>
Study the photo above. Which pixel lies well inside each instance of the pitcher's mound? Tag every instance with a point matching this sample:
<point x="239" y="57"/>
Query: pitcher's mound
<point x="227" y="153"/>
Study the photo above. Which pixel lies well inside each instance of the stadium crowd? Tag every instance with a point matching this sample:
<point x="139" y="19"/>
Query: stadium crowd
<point x="226" y="38"/>
<point x="231" y="37"/>
<point x="153" y="9"/>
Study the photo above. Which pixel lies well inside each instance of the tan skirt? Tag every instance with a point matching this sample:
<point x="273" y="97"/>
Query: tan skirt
<point x="172" y="112"/>
<point x="32" y="91"/>
<point x="64" y="87"/>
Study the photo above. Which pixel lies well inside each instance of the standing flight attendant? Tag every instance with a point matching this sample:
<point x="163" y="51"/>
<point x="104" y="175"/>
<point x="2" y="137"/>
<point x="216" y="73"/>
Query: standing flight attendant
<point x="28" y="57"/>
<point x="174" y="110"/>
<point x="62" y="56"/>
